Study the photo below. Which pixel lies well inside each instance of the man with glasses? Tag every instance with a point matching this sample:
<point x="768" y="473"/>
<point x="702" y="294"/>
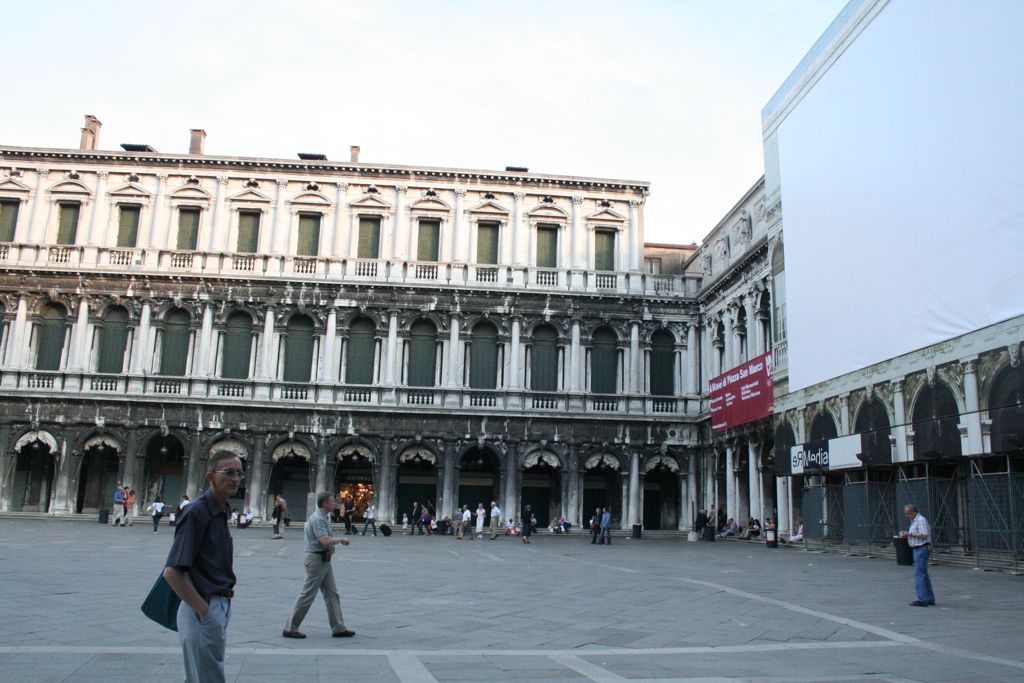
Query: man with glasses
<point x="319" y="574"/>
<point x="199" y="570"/>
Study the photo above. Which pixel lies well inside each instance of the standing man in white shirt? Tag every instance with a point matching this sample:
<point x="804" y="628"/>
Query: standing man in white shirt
<point x="371" y="519"/>
<point x="495" y="520"/>
<point x="464" y="525"/>
<point x="920" y="539"/>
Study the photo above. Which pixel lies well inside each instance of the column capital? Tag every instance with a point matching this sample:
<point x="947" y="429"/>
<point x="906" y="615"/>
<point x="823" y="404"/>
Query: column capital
<point x="576" y="199"/>
<point x="281" y="183"/>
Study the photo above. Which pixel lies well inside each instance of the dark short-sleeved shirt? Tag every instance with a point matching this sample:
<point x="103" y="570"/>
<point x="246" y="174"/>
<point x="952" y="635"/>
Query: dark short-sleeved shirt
<point x="202" y="545"/>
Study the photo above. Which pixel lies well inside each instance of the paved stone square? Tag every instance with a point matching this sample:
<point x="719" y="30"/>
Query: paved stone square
<point x="433" y="608"/>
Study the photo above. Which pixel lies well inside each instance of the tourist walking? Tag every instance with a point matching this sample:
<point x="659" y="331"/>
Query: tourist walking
<point x="156" y="509"/>
<point x="527" y="524"/>
<point x="319" y="573"/>
<point x="279" y="515"/>
<point x="919" y="536"/>
<point x="349" y="506"/>
<point x="606" y="527"/>
<point x="119" y="500"/>
<point x="595" y="525"/>
<point x="129" y="506"/>
<point x="199" y="570"/>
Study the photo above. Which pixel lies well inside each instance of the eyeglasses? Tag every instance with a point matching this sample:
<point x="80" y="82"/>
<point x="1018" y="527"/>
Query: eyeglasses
<point x="238" y="474"/>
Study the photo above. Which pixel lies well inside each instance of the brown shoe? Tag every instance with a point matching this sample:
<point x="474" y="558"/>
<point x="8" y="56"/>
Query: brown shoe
<point x="343" y="634"/>
<point x="293" y="634"/>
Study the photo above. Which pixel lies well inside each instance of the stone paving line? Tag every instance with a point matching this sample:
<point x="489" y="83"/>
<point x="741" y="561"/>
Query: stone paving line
<point x="433" y="609"/>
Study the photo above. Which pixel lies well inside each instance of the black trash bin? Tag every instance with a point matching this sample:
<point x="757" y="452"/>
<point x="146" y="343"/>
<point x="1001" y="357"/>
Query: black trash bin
<point x="637" y="531"/>
<point x="104" y="515"/>
<point x="771" y="540"/>
<point x="709" y="532"/>
<point x="904" y="555"/>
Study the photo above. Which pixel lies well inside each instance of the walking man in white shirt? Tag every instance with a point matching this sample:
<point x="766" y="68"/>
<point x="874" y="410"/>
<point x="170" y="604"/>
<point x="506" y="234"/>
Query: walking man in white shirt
<point x="371" y="519"/>
<point x="920" y="539"/>
<point x="495" y="520"/>
<point x="464" y="525"/>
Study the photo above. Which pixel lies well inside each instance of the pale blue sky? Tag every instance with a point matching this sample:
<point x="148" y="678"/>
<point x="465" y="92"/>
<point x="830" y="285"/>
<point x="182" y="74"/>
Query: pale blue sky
<point x="669" y="92"/>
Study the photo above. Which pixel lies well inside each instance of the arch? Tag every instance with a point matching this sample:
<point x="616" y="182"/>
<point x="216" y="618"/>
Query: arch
<point x="663" y="364"/>
<point x="360" y="351"/>
<point x="872" y="423"/>
<point x="358" y="449"/>
<point x="544" y="358"/>
<point x="190" y="192"/>
<point x="541" y="456"/>
<point x="97" y="473"/>
<point x="604" y="362"/>
<point x="785" y="439"/>
<point x="112" y="340"/>
<point x="311" y="198"/>
<point x="661" y="461"/>
<point x="935" y="420"/>
<point x="35" y="471"/>
<point x="70" y="187"/>
<point x="41" y="435"/>
<point x="175" y="343"/>
<point x="419" y="452"/>
<point x="548" y="212"/>
<point x="298" y="350"/>
<point x="102" y="441"/>
<point x="823" y="427"/>
<point x="1006" y="410"/>
<point x="602" y="460"/>
<point x="483" y="356"/>
<point x="237" y="349"/>
<point x="422" y="370"/>
<point x="165" y="467"/>
<point x="291" y="449"/>
<point x="52" y="331"/>
<point x="416" y="477"/>
<point x="231" y="445"/>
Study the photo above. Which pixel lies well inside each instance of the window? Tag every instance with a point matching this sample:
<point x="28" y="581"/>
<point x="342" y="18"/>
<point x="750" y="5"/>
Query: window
<point x="663" y="364"/>
<point x="359" y="358"/>
<point x="604" y="250"/>
<point x="483" y="358"/>
<point x="52" y="329"/>
<point x="544" y="359"/>
<point x="128" y="227"/>
<point x="369" y="238"/>
<point x="652" y="265"/>
<point x="547" y="246"/>
<point x="248" y="232"/>
<point x="8" y="219"/>
<point x="309" y="235"/>
<point x="112" y="341"/>
<point x="67" y="226"/>
<point x="174" y="350"/>
<point x="429" y="240"/>
<point x="237" y="346"/>
<point x="298" y="350"/>
<point x="188" y="228"/>
<point x="487" y="243"/>
<point x="604" y="367"/>
<point x="422" y="354"/>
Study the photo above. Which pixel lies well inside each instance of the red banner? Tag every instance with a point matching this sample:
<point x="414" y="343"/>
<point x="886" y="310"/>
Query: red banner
<point x="742" y="395"/>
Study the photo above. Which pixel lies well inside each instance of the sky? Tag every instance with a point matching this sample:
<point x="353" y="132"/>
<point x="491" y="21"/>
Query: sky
<point x="667" y="92"/>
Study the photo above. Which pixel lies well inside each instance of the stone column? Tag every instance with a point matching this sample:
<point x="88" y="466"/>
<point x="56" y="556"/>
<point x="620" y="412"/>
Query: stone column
<point x="636" y="384"/>
<point x="388" y="484"/>
<point x="575" y="492"/>
<point x="684" y="503"/>
<point x="389" y="367"/>
<point x="327" y="371"/>
<point x="513" y="359"/>
<point x="519" y="240"/>
<point x="8" y="463"/>
<point x="754" y="479"/>
<point x="254" y="473"/>
<point x="577" y="238"/>
<point x="80" y="340"/>
<point x="753" y="347"/>
<point x="16" y="344"/>
<point x="900" y="422"/>
<point x="844" y="415"/>
<point x="339" y="206"/>
<point x="267" y="364"/>
<point x="277" y="239"/>
<point x="731" y="507"/>
<point x="635" y="514"/>
<point x="691" y="488"/>
<point x="781" y="493"/>
<point x="446" y="506"/>
<point x="635" y="243"/>
<point x="574" y="357"/>
<point x="460" y="237"/>
<point x="624" y="501"/>
<point x="139" y="352"/>
<point x="34" y="229"/>
<point x="195" y="464"/>
<point x="95" y="219"/>
<point x="508" y="507"/>
<point x="217" y="231"/>
<point x="147" y="241"/>
<point x="972" y="414"/>
<point x="321" y="466"/>
<point x="454" y="357"/>
<point x="205" y="355"/>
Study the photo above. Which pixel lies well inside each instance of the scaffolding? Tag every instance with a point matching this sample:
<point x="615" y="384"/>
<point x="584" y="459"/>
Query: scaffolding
<point x="869" y="507"/>
<point x="936" y="495"/>
<point x="996" y="517"/>
<point x="823" y="509"/>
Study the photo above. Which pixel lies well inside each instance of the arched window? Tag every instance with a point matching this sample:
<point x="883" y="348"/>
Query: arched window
<point x="1006" y="408"/>
<point x="544" y="359"/>
<point x="741" y="336"/>
<point x="298" y="349"/>
<point x="112" y="341"/>
<point x="422" y="354"/>
<point x="483" y="360"/>
<point x="936" y="416"/>
<point x="663" y="364"/>
<point x="359" y="354"/>
<point x="237" y="346"/>
<point x="174" y="349"/>
<point x="51" y="337"/>
<point x="604" y="365"/>
<point x="872" y="424"/>
<point x="823" y="427"/>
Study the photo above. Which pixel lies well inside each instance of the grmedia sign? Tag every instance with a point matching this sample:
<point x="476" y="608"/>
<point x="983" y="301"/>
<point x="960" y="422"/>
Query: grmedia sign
<point x="841" y="453"/>
<point x="742" y="395"/>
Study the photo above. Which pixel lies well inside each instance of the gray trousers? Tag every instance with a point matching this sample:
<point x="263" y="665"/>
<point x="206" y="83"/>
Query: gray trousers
<point x="495" y="526"/>
<point x="203" y="642"/>
<point x="319" y="576"/>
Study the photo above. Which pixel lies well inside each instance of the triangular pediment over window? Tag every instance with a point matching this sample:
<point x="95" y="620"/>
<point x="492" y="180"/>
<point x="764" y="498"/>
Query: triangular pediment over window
<point x="250" y="196"/>
<point x="490" y="208"/>
<point x="370" y="201"/>
<point x="607" y="215"/>
<point x="12" y="185"/>
<point x="129" y="191"/>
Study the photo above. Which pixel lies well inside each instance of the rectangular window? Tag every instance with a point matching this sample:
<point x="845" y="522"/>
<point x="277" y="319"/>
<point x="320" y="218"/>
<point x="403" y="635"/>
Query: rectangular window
<point x="309" y="235"/>
<point x="547" y="246"/>
<point x="8" y="219"/>
<point x="429" y="240"/>
<point x="67" y="227"/>
<point x="128" y="227"/>
<point x="248" y="232"/>
<point x="188" y="228"/>
<point x="604" y="250"/>
<point x="369" y="238"/>
<point x="652" y="265"/>
<point x="487" y="243"/>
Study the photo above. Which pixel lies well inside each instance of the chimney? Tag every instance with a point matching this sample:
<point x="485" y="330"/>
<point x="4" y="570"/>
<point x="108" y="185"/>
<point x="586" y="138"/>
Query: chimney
<point x="91" y="132"/>
<point x="195" y="145"/>
<point x="355" y="153"/>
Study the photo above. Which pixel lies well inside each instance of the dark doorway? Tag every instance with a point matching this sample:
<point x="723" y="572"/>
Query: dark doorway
<point x="33" y="478"/>
<point x="479" y="479"/>
<point x="97" y="479"/>
<point x="289" y="478"/>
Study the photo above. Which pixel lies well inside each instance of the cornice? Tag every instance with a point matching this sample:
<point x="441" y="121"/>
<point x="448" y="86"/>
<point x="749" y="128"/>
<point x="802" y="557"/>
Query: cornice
<point x="735" y="271"/>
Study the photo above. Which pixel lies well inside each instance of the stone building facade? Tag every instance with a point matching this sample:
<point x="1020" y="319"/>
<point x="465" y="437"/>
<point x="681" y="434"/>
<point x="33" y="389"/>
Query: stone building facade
<point x="396" y="333"/>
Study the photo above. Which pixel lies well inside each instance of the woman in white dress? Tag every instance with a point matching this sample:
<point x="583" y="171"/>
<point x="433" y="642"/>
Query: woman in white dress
<point x="481" y="514"/>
